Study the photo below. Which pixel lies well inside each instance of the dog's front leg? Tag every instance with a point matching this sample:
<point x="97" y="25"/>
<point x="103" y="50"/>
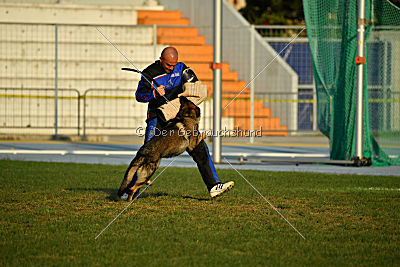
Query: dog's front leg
<point x="130" y="172"/>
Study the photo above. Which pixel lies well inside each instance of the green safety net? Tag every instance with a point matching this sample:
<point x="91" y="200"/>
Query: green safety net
<point x="332" y="32"/>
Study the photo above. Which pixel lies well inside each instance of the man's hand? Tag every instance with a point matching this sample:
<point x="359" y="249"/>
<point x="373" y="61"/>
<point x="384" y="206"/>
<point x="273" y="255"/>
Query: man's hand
<point x="160" y="90"/>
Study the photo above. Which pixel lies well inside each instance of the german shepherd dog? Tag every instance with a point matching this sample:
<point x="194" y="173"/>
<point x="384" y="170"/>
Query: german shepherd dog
<point x="179" y="135"/>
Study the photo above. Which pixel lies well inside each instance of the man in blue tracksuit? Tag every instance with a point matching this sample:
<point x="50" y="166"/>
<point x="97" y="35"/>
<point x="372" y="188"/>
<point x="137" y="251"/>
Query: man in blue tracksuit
<point x="171" y="76"/>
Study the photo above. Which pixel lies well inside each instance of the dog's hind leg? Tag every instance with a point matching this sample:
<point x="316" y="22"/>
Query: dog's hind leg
<point x="130" y="172"/>
<point x="144" y="172"/>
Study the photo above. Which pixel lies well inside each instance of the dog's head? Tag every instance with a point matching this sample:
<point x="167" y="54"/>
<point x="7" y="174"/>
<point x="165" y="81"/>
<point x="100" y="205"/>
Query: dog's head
<point x="188" y="109"/>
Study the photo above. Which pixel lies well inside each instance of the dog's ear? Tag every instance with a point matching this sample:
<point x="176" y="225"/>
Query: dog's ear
<point x="197" y="112"/>
<point x="183" y="100"/>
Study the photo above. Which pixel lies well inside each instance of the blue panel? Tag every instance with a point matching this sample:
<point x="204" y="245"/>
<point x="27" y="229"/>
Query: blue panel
<point x="298" y="56"/>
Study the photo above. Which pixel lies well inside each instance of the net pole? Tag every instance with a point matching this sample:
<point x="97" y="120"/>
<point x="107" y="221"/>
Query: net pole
<point x="360" y="61"/>
<point x="217" y="80"/>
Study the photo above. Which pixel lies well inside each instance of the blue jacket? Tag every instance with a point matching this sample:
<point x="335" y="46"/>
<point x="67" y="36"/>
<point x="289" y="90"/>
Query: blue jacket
<point x="173" y="83"/>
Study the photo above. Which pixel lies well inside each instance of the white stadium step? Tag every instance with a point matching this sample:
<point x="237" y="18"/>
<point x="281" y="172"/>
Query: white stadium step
<point x="77" y="34"/>
<point x="68" y="14"/>
<point x="80" y="51"/>
<point x="86" y="61"/>
<point x="80" y="85"/>
<point x="137" y="4"/>
<point x="69" y="69"/>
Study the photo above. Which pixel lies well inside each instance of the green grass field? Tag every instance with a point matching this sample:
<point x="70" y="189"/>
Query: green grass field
<point x="51" y="213"/>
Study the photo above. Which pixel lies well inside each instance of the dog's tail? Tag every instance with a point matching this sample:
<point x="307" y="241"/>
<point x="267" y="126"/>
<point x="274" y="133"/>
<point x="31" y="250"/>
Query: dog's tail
<point x="129" y="174"/>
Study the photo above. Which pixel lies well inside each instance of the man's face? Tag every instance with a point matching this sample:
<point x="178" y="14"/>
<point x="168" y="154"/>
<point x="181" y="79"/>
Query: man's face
<point x="168" y="63"/>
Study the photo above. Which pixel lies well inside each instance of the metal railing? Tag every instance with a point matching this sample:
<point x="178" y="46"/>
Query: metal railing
<point x="112" y="109"/>
<point x="117" y="111"/>
<point x="52" y="56"/>
<point x="34" y="108"/>
<point x="47" y="56"/>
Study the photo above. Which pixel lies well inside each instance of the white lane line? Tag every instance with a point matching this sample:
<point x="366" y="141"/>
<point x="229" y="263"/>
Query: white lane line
<point x="65" y="152"/>
<point x="133" y="152"/>
<point x="28" y="151"/>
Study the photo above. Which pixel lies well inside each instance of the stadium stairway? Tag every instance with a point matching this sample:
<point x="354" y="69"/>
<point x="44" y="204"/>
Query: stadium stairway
<point x="194" y="51"/>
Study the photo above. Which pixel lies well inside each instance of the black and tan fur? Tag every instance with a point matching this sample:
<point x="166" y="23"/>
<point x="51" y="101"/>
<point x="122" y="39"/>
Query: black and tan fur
<point x="179" y="135"/>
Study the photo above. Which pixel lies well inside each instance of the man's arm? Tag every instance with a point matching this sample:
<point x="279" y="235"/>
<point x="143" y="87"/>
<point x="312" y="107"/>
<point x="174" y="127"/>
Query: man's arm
<point x="145" y="91"/>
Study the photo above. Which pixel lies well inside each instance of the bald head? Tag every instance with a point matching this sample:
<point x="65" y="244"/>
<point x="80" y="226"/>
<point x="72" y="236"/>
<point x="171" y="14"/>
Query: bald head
<point x="170" y="52"/>
<point x="169" y="59"/>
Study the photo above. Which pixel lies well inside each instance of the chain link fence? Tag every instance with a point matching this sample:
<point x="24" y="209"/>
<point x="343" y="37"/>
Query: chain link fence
<point x="32" y="111"/>
<point x="40" y="61"/>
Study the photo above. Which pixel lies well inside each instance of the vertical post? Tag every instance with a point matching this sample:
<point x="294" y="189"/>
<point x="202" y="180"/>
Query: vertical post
<point x="155" y="41"/>
<point x="252" y="86"/>
<point x="56" y="85"/>
<point x="315" y="103"/>
<point x="360" y="61"/>
<point x="84" y="116"/>
<point x="79" y="113"/>
<point x="217" y="80"/>
<point x="315" y="108"/>
<point x="386" y="115"/>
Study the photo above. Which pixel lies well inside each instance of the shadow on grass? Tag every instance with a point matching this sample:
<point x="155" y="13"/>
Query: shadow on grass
<point x="112" y="194"/>
<point x="196" y="198"/>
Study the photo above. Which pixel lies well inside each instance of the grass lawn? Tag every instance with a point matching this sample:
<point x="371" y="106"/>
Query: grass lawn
<point x="50" y="214"/>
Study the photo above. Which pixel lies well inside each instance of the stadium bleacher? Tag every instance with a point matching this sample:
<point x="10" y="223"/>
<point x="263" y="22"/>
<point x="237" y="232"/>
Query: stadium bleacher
<point x="86" y="61"/>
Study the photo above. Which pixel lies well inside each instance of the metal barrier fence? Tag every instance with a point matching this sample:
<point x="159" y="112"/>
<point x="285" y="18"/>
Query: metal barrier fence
<point x="29" y="110"/>
<point x="76" y="57"/>
<point x="112" y="110"/>
<point x="115" y="111"/>
<point x="52" y="56"/>
<point x="384" y="111"/>
<point x="273" y="112"/>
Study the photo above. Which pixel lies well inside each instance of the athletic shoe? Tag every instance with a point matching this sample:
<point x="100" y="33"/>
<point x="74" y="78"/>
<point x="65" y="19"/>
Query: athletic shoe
<point x="218" y="189"/>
